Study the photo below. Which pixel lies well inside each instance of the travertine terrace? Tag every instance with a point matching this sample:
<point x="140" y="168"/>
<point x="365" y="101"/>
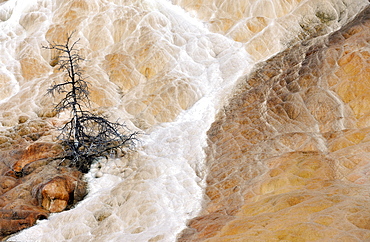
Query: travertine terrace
<point x="254" y="117"/>
<point x="288" y="156"/>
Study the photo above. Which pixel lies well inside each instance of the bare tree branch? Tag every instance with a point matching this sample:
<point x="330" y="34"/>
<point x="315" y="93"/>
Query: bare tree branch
<point x="85" y="136"/>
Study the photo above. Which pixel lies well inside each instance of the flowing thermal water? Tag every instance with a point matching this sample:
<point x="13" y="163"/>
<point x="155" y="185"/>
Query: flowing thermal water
<point x="149" y="195"/>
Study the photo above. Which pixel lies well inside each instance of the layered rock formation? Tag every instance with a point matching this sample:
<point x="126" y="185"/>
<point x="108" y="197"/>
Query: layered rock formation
<point x="288" y="156"/>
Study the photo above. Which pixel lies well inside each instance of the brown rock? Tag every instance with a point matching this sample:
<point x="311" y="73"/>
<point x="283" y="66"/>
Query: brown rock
<point x="14" y="220"/>
<point x="31" y="182"/>
<point x="56" y="194"/>
<point x="7" y="183"/>
<point x="37" y="151"/>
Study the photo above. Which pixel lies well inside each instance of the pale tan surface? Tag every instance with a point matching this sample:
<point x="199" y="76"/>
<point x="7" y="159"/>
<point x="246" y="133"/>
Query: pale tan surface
<point x="289" y="155"/>
<point x="267" y="26"/>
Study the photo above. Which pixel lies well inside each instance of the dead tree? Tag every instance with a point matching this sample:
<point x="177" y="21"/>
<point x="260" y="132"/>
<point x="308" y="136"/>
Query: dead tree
<point x="86" y="136"/>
